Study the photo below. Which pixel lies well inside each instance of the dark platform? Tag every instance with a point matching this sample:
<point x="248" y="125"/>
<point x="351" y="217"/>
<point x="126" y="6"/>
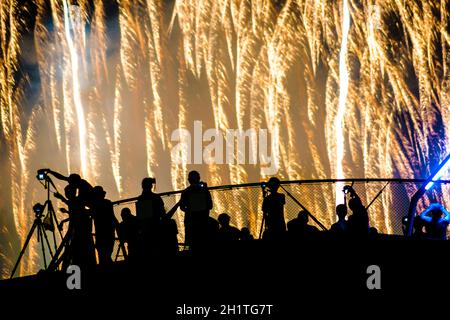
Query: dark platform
<point x="307" y="275"/>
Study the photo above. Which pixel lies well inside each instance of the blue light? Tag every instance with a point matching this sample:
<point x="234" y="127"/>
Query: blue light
<point x="439" y="174"/>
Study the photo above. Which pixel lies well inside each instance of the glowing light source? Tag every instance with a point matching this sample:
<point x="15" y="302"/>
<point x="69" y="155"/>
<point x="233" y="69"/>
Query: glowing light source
<point x="438" y="175"/>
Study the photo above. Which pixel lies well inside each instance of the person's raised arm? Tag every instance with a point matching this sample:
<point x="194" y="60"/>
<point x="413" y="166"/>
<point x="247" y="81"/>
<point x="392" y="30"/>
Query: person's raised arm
<point x="58" y="175"/>
<point x="183" y="201"/>
<point x="61" y="197"/>
<point x="424" y="215"/>
<point x="161" y="211"/>
<point x="61" y="224"/>
<point x="446" y="215"/>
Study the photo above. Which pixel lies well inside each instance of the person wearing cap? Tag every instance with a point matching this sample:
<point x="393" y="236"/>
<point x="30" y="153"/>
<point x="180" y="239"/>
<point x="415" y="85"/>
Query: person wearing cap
<point x="273" y="210"/>
<point x="196" y="203"/>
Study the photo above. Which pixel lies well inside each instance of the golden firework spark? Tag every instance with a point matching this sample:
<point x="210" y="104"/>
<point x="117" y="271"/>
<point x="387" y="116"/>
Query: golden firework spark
<point x="367" y="101"/>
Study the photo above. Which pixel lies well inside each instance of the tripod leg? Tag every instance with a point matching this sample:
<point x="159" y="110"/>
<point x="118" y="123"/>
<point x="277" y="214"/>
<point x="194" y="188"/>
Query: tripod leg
<point x="46" y="240"/>
<point x="117" y="253"/>
<point x="40" y="232"/>
<point x="121" y="243"/>
<point x="54" y="219"/>
<point x="25" y="245"/>
<point x="54" y="264"/>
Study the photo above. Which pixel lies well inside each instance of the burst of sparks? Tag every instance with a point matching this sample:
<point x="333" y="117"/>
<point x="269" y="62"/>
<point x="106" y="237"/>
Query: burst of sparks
<point x="110" y="102"/>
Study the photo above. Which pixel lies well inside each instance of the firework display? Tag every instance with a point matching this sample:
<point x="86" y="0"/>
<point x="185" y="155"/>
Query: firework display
<point x="344" y="89"/>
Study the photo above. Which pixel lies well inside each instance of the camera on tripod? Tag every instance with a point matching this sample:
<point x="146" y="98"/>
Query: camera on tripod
<point x="38" y="210"/>
<point x="348" y="190"/>
<point x="42" y="174"/>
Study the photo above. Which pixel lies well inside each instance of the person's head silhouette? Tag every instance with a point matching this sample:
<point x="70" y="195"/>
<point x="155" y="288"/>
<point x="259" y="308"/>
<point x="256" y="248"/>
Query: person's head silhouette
<point x="125" y="213"/>
<point x="147" y="184"/>
<point x="70" y="191"/>
<point x="224" y="219"/>
<point x="194" y="177"/>
<point x="245" y="233"/>
<point x="98" y="192"/>
<point x="436" y="213"/>
<point x="341" y="211"/>
<point x="74" y="179"/>
<point x="273" y="184"/>
<point x="303" y="217"/>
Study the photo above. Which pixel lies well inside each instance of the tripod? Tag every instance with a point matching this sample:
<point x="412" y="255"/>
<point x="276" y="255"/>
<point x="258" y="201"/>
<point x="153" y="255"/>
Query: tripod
<point x="41" y="235"/>
<point x="50" y="219"/>
<point x="42" y="222"/>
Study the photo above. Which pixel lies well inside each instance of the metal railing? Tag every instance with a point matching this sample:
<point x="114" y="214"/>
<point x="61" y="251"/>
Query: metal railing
<point x="387" y="201"/>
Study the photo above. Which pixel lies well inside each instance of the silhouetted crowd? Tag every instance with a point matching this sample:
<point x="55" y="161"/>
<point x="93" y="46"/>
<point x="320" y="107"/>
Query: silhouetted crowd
<point x="151" y="231"/>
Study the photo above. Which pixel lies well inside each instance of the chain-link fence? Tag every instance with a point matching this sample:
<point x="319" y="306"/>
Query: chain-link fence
<point x="387" y="201"/>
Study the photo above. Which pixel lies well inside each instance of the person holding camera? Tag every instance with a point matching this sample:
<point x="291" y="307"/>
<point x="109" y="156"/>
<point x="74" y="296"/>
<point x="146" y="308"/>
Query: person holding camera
<point x="195" y="202"/>
<point x="83" y="188"/>
<point x="273" y="210"/>
<point x="358" y="221"/>
<point x="80" y="249"/>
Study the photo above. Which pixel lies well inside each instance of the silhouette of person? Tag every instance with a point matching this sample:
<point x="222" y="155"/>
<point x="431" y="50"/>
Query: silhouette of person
<point x="358" y="221"/>
<point x="83" y="187"/>
<point x="299" y="229"/>
<point x="149" y="212"/>
<point x="373" y="232"/>
<point x="245" y="235"/>
<point x="418" y="225"/>
<point x="149" y="205"/>
<point x="436" y="219"/>
<point x="195" y="202"/>
<point x="105" y="223"/>
<point x="273" y="210"/>
<point x="128" y="232"/>
<point x="81" y="245"/>
<point x="340" y="227"/>
<point x="227" y="232"/>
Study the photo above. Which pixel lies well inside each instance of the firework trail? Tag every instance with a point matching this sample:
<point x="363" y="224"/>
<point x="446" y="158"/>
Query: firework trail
<point x="343" y="92"/>
<point x="69" y="29"/>
<point x="370" y="99"/>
